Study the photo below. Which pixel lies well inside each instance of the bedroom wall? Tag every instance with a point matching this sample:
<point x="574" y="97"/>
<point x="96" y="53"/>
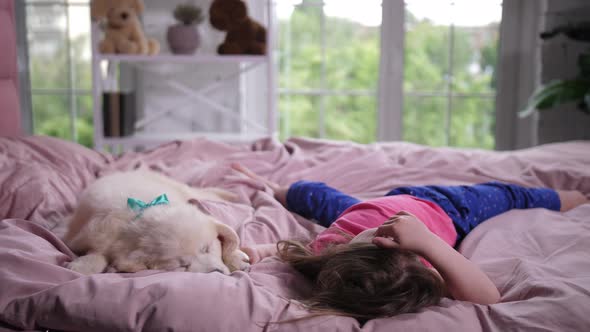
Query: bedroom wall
<point x="559" y="56"/>
<point x="9" y="99"/>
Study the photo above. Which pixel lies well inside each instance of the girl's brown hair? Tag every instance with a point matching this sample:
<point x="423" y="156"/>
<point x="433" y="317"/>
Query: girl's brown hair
<point x="362" y="280"/>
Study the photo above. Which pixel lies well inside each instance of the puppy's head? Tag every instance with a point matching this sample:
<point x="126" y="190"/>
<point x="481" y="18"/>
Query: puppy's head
<point x="180" y="237"/>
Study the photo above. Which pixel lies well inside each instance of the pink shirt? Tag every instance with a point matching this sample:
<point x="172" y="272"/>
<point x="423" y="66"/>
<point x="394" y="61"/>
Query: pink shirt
<point x="373" y="213"/>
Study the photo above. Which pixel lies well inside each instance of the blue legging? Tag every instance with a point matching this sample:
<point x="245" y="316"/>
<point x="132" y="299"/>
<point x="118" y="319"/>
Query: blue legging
<point x="467" y="206"/>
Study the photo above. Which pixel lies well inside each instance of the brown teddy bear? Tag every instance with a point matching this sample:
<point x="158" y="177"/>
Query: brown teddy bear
<point x="244" y="35"/>
<point x="123" y="32"/>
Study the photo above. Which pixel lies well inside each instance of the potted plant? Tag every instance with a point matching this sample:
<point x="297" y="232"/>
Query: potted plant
<point x="576" y="89"/>
<point x="184" y="37"/>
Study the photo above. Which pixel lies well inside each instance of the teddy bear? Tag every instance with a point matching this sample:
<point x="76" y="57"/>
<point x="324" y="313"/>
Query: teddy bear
<point x="244" y="35"/>
<point x="123" y="32"/>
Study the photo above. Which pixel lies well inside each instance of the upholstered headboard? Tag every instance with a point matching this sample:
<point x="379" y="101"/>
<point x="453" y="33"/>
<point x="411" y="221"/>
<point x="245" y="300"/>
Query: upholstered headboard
<point x="9" y="100"/>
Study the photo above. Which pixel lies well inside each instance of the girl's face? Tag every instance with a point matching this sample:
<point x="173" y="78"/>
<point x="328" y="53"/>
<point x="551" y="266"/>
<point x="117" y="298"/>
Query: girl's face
<point x="365" y="236"/>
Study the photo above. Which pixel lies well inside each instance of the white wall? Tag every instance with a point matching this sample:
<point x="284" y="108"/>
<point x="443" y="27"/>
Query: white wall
<point x="559" y="56"/>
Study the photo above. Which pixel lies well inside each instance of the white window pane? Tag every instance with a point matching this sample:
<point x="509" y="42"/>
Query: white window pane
<point x="47" y="36"/>
<point x="299" y="116"/>
<point x="81" y="51"/>
<point x="426" y="59"/>
<point x="451" y="51"/>
<point x="475" y="58"/>
<point x="59" y="65"/>
<point x="300" y="48"/>
<point x="423" y="120"/>
<point x="472" y="123"/>
<point x="330" y="49"/>
<point x="457" y="12"/>
<point x="84" y="120"/>
<point x="366" y="12"/>
<point x="51" y="116"/>
<point x="352" y="44"/>
<point x="351" y="118"/>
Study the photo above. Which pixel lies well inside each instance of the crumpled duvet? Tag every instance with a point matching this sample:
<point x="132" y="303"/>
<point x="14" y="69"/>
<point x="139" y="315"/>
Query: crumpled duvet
<point x="539" y="259"/>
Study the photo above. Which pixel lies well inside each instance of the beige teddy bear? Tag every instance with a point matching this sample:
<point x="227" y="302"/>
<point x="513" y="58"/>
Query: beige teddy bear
<point x="123" y="32"/>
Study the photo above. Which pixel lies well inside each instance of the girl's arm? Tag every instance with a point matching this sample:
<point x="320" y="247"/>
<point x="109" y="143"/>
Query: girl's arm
<point x="280" y="192"/>
<point x="464" y="280"/>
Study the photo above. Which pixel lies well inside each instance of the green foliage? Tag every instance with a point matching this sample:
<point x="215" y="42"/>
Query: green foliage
<point x="352" y="63"/>
<point x="188" y="14"/>
<point x="51" y="113"/>
<point x="559" y="92"/>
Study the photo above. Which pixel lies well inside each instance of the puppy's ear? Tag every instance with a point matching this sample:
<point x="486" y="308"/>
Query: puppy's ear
<point x="229" y="239"/>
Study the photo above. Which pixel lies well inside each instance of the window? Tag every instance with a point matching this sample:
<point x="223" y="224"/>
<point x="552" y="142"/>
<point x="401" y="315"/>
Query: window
<point x="60" y="70"/>
<point x="329" y="59"/>
<point x="329" y="68"/>
<point x="451" y="51"/>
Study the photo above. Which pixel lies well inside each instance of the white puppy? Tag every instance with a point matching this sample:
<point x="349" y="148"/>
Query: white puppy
<point x="150" y="231"/>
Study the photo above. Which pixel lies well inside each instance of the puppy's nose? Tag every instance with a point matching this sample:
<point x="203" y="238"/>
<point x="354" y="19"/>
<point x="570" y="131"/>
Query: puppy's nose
<point x="124" y="16"/>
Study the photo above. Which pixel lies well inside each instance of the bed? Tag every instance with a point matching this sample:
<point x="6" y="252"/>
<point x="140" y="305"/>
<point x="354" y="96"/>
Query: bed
<point x="539" y="260"/>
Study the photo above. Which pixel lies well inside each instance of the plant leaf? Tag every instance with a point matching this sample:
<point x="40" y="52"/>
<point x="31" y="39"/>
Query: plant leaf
<point x="556" y="93"/>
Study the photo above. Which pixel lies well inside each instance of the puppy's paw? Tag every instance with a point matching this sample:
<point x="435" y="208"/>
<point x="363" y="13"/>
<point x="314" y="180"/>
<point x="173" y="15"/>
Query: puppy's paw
<point x="237" y="260"/>
<point x="89" y="264"/>
<point x="129" y="266"/>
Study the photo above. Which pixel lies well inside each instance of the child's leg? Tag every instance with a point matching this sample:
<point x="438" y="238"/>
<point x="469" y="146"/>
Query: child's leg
<point x="315" y="200"/>
<point x="469" y="206"/>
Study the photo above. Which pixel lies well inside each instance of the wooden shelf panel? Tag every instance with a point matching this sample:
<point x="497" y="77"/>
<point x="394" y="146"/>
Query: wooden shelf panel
<point x="145" y="138"/>
<point x="171" y="58"/>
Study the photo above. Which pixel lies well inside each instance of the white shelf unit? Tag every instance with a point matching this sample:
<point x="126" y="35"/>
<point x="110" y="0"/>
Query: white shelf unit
<point x="142" y="139"/>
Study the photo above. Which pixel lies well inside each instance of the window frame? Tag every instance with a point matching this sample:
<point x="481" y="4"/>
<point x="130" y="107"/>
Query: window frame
<point x="323" y="91"/>
<point x="24" y="81"/>
<point x="27" y="91"/>
<point x="517" y="76"/>
<point x="390" y="98"/>
<point x="389" y="93"/>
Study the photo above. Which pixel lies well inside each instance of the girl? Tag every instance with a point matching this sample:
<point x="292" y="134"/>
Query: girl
<point x="395" y="254"/>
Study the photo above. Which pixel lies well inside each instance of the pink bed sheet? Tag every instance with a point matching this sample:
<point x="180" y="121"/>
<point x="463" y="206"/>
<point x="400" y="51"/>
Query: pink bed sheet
<point x="540" y="260"/>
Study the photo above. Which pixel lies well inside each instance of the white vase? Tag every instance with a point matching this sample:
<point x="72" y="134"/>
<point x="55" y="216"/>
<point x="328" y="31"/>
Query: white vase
<point x="183" y="39"/>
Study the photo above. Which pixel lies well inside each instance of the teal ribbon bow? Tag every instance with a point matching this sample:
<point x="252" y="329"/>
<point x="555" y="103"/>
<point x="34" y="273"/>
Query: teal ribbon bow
<point x="139" y="206"/>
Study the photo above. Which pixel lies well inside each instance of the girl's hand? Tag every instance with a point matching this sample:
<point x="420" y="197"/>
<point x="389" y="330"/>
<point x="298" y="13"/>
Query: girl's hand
<point x="280" y="192"/>
<point x="464" y="280"/>
<point x="260" y="251"/>
<point x="405" y="231"/>
<point x="240" y="168"/>
<point x="252" y="253"/>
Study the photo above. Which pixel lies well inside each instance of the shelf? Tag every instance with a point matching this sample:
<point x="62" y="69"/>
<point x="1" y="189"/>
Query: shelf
<point x="171" y="58"/>
<point x="144" y="138"/>
<point x="225" y="94"/>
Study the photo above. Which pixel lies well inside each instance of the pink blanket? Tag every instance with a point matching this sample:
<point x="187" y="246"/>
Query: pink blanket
<point x="540" y="260"/>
